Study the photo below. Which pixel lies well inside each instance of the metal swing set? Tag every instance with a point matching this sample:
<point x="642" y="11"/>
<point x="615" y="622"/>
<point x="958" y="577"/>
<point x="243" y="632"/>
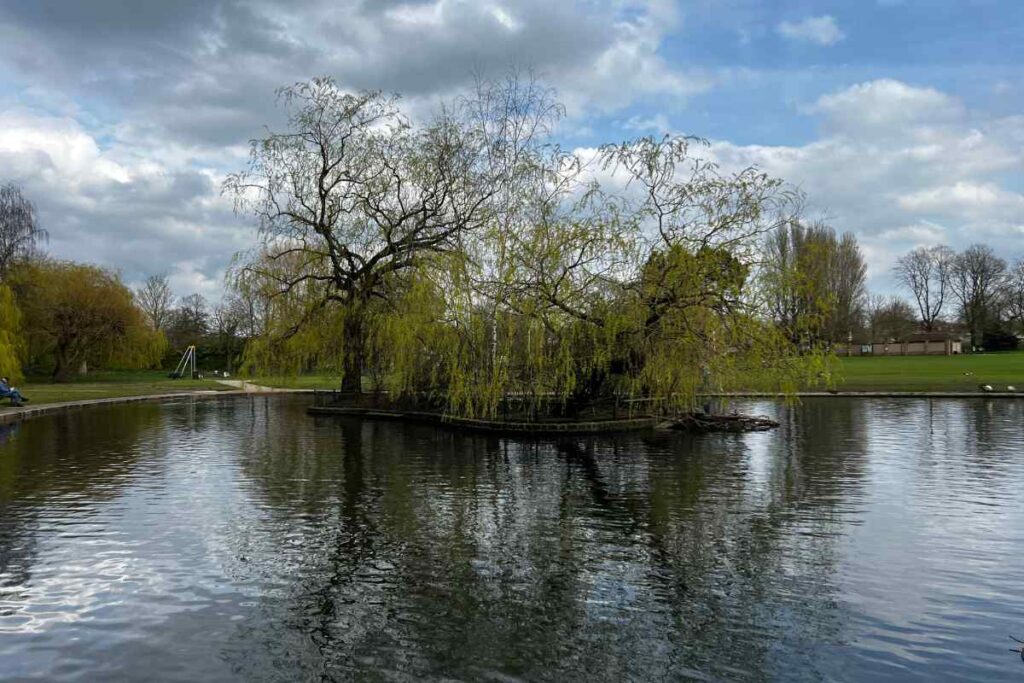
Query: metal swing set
<point x="186" y="364"/>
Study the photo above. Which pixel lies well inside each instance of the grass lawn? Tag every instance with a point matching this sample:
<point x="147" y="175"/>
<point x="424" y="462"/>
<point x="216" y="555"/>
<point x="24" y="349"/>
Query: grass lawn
<point x="931" y="373"/>
<point x="308" y="381"/>
<point x="110" y="384"/>
<point x="858" y="373"/>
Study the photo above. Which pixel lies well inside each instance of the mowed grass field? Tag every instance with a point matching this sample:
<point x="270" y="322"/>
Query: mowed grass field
<point x="110" y="384"/>
<point x="858" y="373"/>
<point x="931" y="373"/>
<point x="305" y="381"/>
<point x="882" y="373"/>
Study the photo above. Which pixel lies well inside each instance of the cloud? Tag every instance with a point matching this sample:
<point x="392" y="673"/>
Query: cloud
<point x="901" y="166"/>
<point x="887" y="105"/>
<point x="821" y="30"/>
<point x="53" y="149"/>
<point x="121" y="123"/>
<point x="205" y="73"/>
<point x="966" y="199"/>
<point x="107" y="206"/>
<point x="658" y="124"/>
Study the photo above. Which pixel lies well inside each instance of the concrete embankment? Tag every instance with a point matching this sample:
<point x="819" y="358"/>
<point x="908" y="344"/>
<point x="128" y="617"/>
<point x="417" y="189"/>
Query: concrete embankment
<point x="16" y="414"/>
<point x="876" y="394"/>
<point x="243" y="388"/>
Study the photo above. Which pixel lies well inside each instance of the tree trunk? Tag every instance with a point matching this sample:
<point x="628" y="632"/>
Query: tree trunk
<point x="63" y="366"/>
<point x="352" y="331"/>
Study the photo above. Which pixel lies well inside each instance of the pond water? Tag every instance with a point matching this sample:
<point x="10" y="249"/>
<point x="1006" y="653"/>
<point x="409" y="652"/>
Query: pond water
<point x="239" y="539"/>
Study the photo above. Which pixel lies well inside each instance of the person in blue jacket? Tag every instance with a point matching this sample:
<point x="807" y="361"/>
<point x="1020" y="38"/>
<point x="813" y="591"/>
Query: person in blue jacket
<point x="7" y="391"/>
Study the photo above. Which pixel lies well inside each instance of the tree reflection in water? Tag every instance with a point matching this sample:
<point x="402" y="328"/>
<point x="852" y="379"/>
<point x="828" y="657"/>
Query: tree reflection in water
<point x="863" y="540"/>
<point x="429" y="551"/>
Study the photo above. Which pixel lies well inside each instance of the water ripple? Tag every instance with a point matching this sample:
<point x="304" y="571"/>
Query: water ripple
<point x="864" y="540"/>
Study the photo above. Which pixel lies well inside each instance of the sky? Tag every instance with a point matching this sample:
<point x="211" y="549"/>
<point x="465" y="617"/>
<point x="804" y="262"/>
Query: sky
<point x="901" y="120"/>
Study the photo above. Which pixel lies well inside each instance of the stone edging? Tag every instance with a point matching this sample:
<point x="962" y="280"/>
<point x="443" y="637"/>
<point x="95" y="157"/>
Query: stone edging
<point x="874" y="394"/>
<point x="7" y="416"/>
<point x="495" y="426"/>
<point x="10" y="415"/>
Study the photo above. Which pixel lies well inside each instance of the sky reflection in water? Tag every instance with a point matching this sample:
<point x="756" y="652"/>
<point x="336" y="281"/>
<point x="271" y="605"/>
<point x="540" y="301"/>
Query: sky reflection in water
<point x="241" y="539"/>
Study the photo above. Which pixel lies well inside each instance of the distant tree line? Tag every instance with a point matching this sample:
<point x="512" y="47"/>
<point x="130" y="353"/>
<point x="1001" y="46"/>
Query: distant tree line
<point x="974" y="287"/>
<point x="470" y="258"/>
<point x="61" y="318"/>
<point x="815" y="291"/>
<point x="219" y="331"/>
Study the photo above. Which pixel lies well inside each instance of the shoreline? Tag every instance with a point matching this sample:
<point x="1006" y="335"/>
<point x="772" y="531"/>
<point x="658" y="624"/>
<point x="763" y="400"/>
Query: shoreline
<point x="872" y="394"/>
<point x="12" y="414"/>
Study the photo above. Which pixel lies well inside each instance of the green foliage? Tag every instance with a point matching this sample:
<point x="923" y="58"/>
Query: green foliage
<point x="75" y="314"/>
<point x="813" y="282"/>
<point x="12" y="345"/>
<point x="469" y="262"/>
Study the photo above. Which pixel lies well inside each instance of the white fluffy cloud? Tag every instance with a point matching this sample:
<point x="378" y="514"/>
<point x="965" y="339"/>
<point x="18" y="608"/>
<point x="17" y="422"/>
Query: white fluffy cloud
<point x="886" y="106"/>
<point x="54" y="150"/>
<point x="903" y="166"/>
<point x="174" y="93"/>
<point x="821" y="30"/>
<point x="121" y="125"/>
<point x="111" y="207"/>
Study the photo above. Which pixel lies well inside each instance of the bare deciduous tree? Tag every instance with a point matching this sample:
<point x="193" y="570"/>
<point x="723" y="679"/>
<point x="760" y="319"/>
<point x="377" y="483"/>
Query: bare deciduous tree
<point x="846" y="277"/>
<point x="353" y="194"/>
<point x="189" y="322"/>
<point x="155" y="299"/>
<point x="1013" y="297"/>
<point x="193" y="311"/>
<point x="228" y="318"/>
<point x="976" y="282"/>
<point x="20" y="234"/>
<point x="888" y="318"/>
<point x="926" y="273"/>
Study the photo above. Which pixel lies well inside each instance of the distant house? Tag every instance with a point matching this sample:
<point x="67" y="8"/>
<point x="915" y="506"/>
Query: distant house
<point x="914" y="345"/>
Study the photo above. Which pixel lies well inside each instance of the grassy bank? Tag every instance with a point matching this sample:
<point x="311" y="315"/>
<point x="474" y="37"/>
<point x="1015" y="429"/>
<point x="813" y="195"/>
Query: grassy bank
<point x="110" y="384"/>
<point x="859" y="373"/>
<point x="931" y="373"/>
<point x="307" y="381"/>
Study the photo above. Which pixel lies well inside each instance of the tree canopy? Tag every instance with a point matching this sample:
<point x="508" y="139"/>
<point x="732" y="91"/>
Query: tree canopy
<point x="12" y="345"/>
<point x="75" y="314"/>
<point x="20" y="232"/>
<point x="814" y="282"/>
<point x="470" y="259"/>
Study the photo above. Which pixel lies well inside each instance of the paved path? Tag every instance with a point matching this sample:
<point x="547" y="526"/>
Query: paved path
<point x="250" y="388"/>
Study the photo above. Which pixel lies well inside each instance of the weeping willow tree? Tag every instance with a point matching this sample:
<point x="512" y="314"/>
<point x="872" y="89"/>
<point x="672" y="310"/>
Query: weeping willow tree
<point x="12" y="345"/>
<point x="471" y="262"/>
<point x="353" y="196"/>
<point x="76" y="315"/>
<point x="642" y="285"/>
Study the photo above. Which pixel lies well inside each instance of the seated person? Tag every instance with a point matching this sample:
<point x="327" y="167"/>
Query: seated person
<point x="7" y="391"/>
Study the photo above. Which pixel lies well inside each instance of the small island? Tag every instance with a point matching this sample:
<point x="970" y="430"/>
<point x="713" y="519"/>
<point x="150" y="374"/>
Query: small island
<point x="456" y="273"/>
<point x="520" y="416"/>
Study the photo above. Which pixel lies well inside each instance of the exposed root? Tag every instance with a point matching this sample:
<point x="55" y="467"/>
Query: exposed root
<point x="702" y="423"/>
